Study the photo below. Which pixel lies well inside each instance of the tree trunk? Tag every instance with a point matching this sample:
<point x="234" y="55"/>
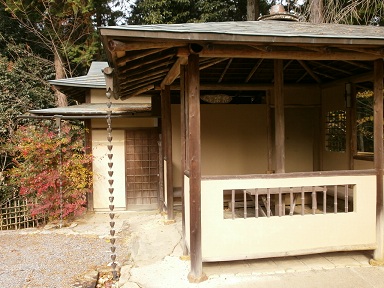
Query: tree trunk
<point x="316" y="15"/>
<point x="253" y="10"/>
<point x="61" y="98"/>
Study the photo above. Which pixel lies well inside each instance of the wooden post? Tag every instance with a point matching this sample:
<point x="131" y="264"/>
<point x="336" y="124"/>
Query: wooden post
<point x="350" y="101"/>
<point x="183" y="79"/>
<point x="279" y="117"/>
<point x="167" y="143"/>
<point x="378" y="256"/>
<point x="269" y="133"/>
<point x="193" y="93"/>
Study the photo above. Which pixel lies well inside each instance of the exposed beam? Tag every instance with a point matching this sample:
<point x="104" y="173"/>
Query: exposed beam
<point x="225" y="70"/>
<point x="310" y="72"/>
<point x="353" y="79"/>
<point x="174" y="72"/>
<point x="211" y="63"/>
<point x="132" y="80"/>
<point x="358" y="64"/>
<point x="139" y="64"/>
<point x="332" y="67"/>
<point x="253" y="71"/>
<point x="136" y="92"/>
<point x="243" y="87"/>
<point x="114" y="45"/>
<point x="378" y="52"/>
<point x="232" y="51"/>
<point x="130" y="57"/>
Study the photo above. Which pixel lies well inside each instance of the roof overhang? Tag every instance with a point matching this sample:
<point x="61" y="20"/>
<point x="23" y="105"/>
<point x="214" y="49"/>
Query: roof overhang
<point x="148" y="57"/>
<point x="90" y="111"/>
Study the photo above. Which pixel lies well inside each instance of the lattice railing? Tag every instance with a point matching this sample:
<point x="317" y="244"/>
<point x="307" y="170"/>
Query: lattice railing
<point x="288" y="201"/>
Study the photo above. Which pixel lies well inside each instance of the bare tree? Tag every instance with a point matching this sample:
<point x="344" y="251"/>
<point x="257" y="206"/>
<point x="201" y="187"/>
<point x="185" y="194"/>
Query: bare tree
<point x="361" y="12"/>
<point x="253" y="10"/>
<point x="64" y="28"/>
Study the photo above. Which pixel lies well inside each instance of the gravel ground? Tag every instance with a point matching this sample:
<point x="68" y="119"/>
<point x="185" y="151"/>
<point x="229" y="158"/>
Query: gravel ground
<point x="50" y="257"/>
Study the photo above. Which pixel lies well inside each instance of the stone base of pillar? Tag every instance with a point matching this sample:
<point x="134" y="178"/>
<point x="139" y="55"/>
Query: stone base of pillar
<point x="197" y="279"/>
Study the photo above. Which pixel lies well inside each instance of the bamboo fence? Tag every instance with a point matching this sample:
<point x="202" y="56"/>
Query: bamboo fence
<point x="15" y="214"/>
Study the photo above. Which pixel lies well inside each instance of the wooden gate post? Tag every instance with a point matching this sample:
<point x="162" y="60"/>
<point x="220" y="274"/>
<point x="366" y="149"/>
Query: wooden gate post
<point x="378" y="256"/>
<point x="193" y="93"/>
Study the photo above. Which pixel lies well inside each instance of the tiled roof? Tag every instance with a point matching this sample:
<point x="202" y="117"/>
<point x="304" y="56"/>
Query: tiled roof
<point x="235" y="31"/>
<point x="93" y="79"/>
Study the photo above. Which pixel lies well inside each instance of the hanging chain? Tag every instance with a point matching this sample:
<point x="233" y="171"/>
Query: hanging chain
<point x="111" y="189"/>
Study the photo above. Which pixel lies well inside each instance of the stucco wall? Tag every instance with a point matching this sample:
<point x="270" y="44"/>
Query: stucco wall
<point x="234" y="239"/>
<point x="100" y="170"/>
<point x="234" y="137"/>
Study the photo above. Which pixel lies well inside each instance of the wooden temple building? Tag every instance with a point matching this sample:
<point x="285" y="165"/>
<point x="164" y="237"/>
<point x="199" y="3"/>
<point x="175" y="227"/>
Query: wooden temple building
<point x="260" y="132"/>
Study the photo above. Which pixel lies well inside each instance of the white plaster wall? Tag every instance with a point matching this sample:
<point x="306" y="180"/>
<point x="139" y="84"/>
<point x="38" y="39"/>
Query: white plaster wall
<point x="100" y="170"/>
<point x="125" y="123"/>
<point x="98" y="96"/>
<point x="228" y="239"/>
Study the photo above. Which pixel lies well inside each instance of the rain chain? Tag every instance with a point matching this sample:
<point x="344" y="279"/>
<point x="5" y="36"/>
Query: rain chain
<point x="111" y="189"/>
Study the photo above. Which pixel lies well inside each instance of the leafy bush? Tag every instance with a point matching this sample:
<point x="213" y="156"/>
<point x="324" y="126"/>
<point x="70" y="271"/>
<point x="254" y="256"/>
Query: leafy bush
<point x="52" y="169"/>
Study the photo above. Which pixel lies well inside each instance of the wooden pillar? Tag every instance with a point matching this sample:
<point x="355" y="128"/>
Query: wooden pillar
<point x="193" y="93"/>
<point x="183" y="134"/>
<point x="350" y="100"/>
<point x="378" y="257"/>
<point x="167" y="144"/>
<point x="279" y="116"/>
<point x="269" y="133"/>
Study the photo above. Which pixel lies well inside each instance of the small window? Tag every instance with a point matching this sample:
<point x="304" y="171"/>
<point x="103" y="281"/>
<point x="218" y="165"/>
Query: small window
<point x="335" y="131"/>
<point x="364" y="121"/>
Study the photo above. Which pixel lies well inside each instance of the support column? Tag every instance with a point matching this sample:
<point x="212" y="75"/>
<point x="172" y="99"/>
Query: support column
<point x="378" y="256"/>
<point x="193" y="93"/>
<point x="183" y="124"/>
<point x="279" y="117"/>
<point x="167" y="144"/>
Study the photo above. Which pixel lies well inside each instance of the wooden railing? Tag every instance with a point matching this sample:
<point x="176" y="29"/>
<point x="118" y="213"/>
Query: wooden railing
<point x="282" y="201"/>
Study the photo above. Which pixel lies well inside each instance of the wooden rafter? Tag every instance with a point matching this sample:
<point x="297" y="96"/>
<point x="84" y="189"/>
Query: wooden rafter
<point x="233" y="51"/>
<point x="205" y="64"/>
<point x="358" y="64"/>
<point x="332" y="68"/>
<point x="115" y="45"/>
<point x="225" y="70"/>
<point x="309" y="71"/>
<point x="253" y="71"/>
<point x="174" y="72"/>
<point x="130" y="57"/>
<point x="139" y="64"/>
<point x="131" y="93"/>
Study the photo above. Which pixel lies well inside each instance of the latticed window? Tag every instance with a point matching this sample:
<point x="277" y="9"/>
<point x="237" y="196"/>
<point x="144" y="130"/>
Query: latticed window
<point x="364" y="121"/>
<point x="335" y="131"/>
